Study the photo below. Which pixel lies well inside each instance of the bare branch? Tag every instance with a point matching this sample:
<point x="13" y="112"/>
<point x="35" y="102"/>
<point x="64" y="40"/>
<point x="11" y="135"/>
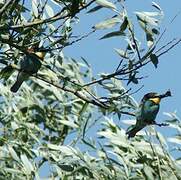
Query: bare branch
<point x="171" y="47"/>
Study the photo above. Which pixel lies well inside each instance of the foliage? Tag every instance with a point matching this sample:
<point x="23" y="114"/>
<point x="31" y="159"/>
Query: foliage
<point x="49" y="123"/>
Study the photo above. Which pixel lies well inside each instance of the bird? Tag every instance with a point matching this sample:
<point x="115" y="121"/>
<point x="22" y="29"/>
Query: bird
<point x="29" y="65"/>
<point x="147" y="112"/>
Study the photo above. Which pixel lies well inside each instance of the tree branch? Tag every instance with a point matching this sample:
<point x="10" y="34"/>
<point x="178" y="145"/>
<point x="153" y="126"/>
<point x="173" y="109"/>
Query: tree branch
<point x="77" y="93"/>
<point x="43" y="21"/>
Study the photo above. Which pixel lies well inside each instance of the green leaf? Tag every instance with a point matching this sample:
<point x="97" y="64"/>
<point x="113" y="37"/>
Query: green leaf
<point x="150" y="40"/>
<point x="35" y="7"/>
<point x="155" y="31"/>
<point x="154" y="60"/>
<point x="13" y="154"/>
<point x="147" y="18"/>
<point x="109" y="23"/>
<point x="148" y="171"/>
<point x="27" y="164"/>
<point x="6" y="72"/>
<point x="67" y="150"/>
<point x="94" y="9"/>
<point x="69" y="123"/>
<point x="155" y="5"/>
<point x="133" y="79"/>
<point x="66" y="167"/>
<point x="53" y="147"/>
<point x="145" y="27"/>
<point x="5" y="36"/>
<point x="49" y="10"/>
<point x="106" y="4"/>
<point x="124" y="24"/>
<point x="113" y="34"/>
<point x="122" y="53"/>
<point x="161" y="139"/>
<point x="84" y="108"/>
<point x="176" y="139"/>
<point x="12" y="171"/>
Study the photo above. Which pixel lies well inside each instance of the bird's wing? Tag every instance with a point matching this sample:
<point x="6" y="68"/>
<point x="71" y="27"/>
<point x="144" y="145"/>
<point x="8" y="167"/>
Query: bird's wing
<point x="30" y="63"/>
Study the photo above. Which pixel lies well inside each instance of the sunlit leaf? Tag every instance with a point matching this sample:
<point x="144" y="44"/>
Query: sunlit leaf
<point x="13" y="153"/>
<point x="109" y="23"/>
<point x="148" y="171"/>
<point x="49" y="10"/>
<point x="69" y="123"/>
<point x="35" y="7"/>
<point x="122" y="53"/>
<point x="106" y="4"/>
<point x="176" y="139"/>
<point x="147" y="18"/>
<point x="27" y="164"/>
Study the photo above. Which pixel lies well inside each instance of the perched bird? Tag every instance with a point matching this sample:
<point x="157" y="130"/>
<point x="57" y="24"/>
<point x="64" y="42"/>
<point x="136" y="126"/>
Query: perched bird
<point x="147" y="112"/>
<point x="29" y="65"/>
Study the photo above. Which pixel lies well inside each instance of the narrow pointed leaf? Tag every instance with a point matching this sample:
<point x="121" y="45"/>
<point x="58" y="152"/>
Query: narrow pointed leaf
<point x="109" y="23"/>
<point x="106" y="4"/>
<point x="27" y="164"/>
<point x="154" y="60"/>
<point x="94" y="9"/>
<point x="155" y="5"/>
<point x="122" y="53"/>
<point x="124" y="24"/>
<point x="113" y="34"/>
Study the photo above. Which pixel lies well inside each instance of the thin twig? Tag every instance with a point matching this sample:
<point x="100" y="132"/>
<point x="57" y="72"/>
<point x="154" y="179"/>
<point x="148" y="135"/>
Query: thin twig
<point x="75" y="41"/>
<point x="171" y="47"/>
<point x="136" y="91"/>
<point x="166" y="28"/>
<point x="119" y="65"/>
<point x="118" y="73"/>
<point x="164" y="46"/>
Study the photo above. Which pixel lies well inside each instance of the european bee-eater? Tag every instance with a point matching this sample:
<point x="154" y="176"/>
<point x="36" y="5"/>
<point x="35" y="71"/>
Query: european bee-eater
<point x="29" y="65"/>
<point x="147" y="112"/>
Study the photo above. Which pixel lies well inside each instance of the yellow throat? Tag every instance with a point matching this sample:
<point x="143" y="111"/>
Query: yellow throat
<point x="41" y="55"/>
<point x="156" y="100"/>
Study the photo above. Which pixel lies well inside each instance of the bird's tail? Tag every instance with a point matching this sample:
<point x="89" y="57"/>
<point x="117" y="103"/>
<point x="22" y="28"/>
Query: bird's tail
<point x="21" y="77"/>
<point x="132" y="132"/>
<point x="16" y="86"/>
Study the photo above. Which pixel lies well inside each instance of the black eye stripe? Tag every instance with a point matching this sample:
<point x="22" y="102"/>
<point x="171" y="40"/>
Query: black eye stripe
<point x="150" y="95"/>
